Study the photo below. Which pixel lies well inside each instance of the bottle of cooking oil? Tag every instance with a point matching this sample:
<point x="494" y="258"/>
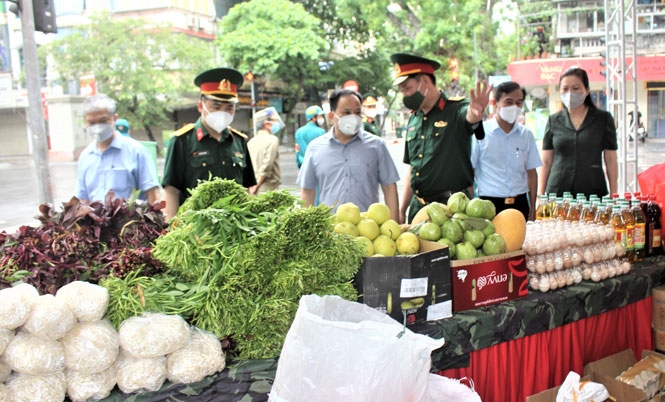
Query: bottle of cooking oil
<point x="559" y="211"/>
<point x="567" y="200"/>
<point x="628" y="217"/>
<point x="602" y="216"/>
<point x="595" y="200"/>
<point x="587" y="214"/>
<point x="543" y="212"/>
<point x="619" y="225"/>
<point x="552" y="200"/>
<point x="574" y="211"/>
<point x="639" y="233"/>
<point x="580" y="198"/>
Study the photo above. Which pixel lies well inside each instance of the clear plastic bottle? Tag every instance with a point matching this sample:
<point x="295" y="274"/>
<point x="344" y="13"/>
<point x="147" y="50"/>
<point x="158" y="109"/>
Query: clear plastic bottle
<point x="580" y="198"/>
<point x="602" y="216"/>
<point x="567" y="200"/>
<point x="653" y="217"/>
<point x="559" y="211"/>
<point x="552" y="200"/>
<point x="574" y="211"/>
<point x="639" y="233"/>
<point x="543" y="212"/>
<point x="619" y="225"/>
<point x="595" y="200"/>
<point x="629" y="220"/>
<point x="587" y="214"/>
<point x="615" y="198"/>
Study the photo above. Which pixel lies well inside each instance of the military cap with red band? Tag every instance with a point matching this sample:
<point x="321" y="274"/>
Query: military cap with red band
<point x="369" y="99"/>
<point x="220" y="84"/>
<point x="408" y="64"/>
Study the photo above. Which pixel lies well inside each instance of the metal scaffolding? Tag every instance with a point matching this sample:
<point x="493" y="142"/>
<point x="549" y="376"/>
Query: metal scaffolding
<point x="621" y="74"/>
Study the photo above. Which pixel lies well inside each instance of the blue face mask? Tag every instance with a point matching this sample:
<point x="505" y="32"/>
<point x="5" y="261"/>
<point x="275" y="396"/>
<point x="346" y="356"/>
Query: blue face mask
<point x="275" y="127"/>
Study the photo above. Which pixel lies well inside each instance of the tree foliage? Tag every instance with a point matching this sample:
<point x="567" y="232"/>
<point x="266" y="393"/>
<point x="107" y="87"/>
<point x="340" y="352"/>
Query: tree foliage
<point x="275" y="38"/>
<point x="145" y="68"/>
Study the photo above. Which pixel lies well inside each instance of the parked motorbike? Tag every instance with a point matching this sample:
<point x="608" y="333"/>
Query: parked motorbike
<point x="642" y="133"/>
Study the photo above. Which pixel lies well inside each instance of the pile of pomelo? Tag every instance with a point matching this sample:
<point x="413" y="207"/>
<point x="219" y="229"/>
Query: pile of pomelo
<point x="381" y="235"/>
<point x="469" y="227"/>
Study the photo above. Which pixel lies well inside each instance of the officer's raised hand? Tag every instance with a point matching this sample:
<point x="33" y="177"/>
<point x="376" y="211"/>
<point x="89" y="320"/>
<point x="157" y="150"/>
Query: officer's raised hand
<point x="480" y="98"/>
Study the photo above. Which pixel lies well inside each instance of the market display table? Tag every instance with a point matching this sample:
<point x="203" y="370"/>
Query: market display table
<point x="510" y="350"/>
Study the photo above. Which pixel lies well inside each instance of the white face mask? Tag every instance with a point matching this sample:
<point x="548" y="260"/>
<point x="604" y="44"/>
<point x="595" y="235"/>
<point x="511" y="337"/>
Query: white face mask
<point x="349" y="124"/>
<point x="100" y="132"/>
<point x="572" y="100"/>
<point x="371" y="113"/>
<point x="218" y="120"/>
<point x="510" y="113"/>
<point x="320" y="121"/>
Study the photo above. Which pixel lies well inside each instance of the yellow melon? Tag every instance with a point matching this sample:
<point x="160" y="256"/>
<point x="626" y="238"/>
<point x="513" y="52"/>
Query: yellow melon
<point x="420" y="216"/>
<point x="511" y="225"/>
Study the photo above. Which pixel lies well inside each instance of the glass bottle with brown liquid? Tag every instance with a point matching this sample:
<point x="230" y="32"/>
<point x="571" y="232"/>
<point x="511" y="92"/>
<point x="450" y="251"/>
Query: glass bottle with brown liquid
<point x="587" y="214"/>
<point x="619" y="225"/>
<point x="543" y="212"/>
<point x="629" y="220"/>
<point x="639" y="233"/>
<point x="602" y="216"/>
<point x="574" y="211"/>
<point x="559" y="211"/>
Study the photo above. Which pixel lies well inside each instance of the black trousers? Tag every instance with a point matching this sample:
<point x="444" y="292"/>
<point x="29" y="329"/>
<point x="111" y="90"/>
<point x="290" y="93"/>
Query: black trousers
<point x="521" y="204"/>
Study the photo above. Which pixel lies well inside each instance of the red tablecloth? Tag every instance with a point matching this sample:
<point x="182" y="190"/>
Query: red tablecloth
<point x="513" y="370"/>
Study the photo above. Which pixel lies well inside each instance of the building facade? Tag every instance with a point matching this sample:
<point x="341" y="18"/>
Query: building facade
<point x="195" y="18"/>
<point x="578" y="39"/>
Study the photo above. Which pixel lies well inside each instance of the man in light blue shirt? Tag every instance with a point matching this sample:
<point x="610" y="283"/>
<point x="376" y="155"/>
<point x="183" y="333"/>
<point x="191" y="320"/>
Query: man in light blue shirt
<point x="505" y="161"/>
<point x="111" y="161"/>
<point x="348" y="164"/>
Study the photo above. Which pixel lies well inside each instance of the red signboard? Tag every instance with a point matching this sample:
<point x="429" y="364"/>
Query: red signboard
<point x="548" y="71"/>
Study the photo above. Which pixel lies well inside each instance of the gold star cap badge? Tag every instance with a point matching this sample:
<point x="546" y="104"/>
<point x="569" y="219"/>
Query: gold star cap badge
<point x="220" y="84"/>
<point x="408" y="64"/>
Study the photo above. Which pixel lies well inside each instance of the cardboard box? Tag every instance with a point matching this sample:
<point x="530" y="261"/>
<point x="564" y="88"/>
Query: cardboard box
<point x="620" y="391"/>
<point x="484" y="281"/>
<point x="613" y="365"/>
<point x="659" y="338"/>
<point x="658" y="302"/>
<point x="416" y="287"/>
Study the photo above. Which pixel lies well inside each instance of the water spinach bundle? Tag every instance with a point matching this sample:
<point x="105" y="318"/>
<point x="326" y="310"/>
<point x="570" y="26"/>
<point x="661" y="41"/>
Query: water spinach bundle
<point x="242" y="264"/>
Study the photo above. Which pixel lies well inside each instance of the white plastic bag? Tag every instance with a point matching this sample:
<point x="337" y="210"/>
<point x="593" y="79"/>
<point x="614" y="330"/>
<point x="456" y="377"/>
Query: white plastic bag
<point x="444" y="389"/>
<point x="573" y="391"/>
<point x="86" y="387"/>
<point x="337" y="350"/>
<point x="91" y="347"/>
<point x="153" y="334"/>
<point x="50" y="318"/>
<point x="87" y="301"/>
<point x="16" y="304"/>
<point x="203" y="356"/>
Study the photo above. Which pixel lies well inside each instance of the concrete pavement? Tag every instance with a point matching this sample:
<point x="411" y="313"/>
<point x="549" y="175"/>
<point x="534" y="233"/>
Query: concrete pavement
<point x="19" y="204"/>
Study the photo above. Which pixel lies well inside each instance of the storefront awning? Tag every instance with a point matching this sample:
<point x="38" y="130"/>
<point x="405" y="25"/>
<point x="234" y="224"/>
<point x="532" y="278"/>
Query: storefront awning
<point x="548" y="71"/>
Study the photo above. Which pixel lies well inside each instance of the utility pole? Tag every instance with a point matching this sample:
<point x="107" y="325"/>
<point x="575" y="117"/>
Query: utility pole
<point x="35" y="110"/>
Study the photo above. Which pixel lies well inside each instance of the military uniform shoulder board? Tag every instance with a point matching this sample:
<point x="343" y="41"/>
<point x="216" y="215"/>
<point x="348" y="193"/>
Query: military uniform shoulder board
<point x="184" y="129"/>
<point x="456" y="98"/>
<point x="240" y="133"/>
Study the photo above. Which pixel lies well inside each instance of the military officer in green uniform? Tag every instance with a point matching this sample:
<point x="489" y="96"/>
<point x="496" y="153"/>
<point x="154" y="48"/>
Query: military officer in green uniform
<point x="438" y="136"/>
<point x="209" y="147"/>
<point x="369" y="115"/>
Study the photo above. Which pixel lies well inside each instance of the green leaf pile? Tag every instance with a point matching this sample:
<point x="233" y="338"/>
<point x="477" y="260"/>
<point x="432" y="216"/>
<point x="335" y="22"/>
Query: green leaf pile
<point x="237" y="266"/>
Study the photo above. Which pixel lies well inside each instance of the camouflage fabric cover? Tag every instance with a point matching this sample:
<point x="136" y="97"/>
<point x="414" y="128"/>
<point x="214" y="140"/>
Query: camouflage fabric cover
<point x="250" y="381"/>
<point x="244" y="381"/>
<point x="480" y="328"/>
